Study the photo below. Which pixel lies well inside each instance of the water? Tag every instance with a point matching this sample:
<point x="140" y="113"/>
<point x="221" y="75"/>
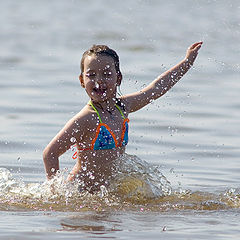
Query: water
<point x="185" y="183"/>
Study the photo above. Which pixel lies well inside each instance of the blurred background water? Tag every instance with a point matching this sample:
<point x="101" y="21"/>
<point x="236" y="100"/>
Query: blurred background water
<point x="191" y="133"/>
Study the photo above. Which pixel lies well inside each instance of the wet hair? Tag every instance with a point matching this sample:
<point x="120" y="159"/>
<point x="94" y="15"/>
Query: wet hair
<point x="101" y="50"/>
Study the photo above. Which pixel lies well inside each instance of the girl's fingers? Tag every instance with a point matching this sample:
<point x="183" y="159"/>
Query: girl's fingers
<point x="193" y="50"/>
<point x="196" y="45"/>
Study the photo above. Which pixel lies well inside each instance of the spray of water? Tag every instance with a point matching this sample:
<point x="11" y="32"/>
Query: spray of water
<point x="135" y="185"/>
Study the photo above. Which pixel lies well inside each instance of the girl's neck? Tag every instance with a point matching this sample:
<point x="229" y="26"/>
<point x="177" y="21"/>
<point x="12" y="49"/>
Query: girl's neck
<point x="108" y="105"/>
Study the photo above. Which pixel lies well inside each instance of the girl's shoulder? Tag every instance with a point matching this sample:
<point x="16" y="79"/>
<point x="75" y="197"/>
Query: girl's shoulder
<point x="123" y="104"/>
<point x="86" y="115"/>
<point x="82" y="122"/>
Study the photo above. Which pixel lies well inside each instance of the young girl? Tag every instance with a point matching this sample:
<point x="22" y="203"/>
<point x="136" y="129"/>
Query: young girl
<point x="100" y="129"/>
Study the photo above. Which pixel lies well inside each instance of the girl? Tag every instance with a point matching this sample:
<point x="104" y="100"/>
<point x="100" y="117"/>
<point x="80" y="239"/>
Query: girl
<point x="100" y="129"/>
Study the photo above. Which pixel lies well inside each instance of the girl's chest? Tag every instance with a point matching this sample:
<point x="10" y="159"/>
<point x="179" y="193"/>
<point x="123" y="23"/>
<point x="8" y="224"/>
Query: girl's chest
<point x="110" y="127"/>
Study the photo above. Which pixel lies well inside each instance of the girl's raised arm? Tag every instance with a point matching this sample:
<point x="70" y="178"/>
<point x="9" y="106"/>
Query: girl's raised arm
<point x="163" y="83"/>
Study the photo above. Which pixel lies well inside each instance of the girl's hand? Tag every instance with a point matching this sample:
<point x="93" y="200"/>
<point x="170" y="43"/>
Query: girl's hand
<point x="192" y="52"/>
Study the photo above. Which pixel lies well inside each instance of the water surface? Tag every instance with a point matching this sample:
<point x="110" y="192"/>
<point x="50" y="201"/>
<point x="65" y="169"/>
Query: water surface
<point x="190" y="135"/>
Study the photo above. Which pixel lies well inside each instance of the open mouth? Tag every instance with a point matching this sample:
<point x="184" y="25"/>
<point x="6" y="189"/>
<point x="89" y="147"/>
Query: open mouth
<point x="99" y="90"/>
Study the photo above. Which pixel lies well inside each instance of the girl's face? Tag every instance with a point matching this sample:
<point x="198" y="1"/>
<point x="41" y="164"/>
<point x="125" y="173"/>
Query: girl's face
<point x="100" y="78"/>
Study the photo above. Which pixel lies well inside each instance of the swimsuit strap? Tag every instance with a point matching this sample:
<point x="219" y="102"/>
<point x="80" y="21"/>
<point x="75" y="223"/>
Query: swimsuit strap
<point x="90" y="102"/>
<point x="119" y="109"/>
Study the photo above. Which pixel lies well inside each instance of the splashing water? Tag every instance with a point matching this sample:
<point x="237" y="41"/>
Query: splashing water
<point x="135" y="185"/>
<point x="138" y="181"/>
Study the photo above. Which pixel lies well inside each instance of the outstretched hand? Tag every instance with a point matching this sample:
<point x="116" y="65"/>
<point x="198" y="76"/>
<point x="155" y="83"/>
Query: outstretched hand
<point x="192" y="52"/>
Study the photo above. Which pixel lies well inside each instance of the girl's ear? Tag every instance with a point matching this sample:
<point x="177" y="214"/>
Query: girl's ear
<point x="81" y="80"/>
<point x="119" y="79"/>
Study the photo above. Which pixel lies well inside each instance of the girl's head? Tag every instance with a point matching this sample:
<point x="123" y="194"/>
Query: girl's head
<point x="102" y="50"/>
<point x="100" y="72"/>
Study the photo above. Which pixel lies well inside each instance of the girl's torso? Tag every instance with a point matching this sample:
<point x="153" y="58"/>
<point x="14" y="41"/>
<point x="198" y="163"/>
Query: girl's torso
<point x="104" y="141"/>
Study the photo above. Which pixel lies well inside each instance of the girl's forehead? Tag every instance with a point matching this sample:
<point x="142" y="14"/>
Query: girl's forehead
<point x="98" y="62"/>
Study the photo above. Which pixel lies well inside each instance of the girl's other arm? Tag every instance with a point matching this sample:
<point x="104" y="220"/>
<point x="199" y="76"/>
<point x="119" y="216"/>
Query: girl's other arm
<point x="74" y="129"/>
<point x="164" y="82"/>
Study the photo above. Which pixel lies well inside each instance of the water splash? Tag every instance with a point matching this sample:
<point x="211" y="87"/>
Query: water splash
<point x="136" y="185"/>
<point x="138" y="181"/>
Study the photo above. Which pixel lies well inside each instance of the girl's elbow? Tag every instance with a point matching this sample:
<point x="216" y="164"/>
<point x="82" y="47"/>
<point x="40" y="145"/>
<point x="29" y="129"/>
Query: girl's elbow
<point x="45" y="152"/>
<point x="48" y="153"/>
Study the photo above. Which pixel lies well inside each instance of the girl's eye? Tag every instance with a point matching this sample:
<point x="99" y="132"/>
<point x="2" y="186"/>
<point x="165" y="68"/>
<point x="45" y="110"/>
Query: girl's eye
<point x="90" y="74"/>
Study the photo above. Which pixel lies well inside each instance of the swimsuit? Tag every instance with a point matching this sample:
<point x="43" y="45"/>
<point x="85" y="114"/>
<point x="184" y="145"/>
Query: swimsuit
<point x="105" y="138"/>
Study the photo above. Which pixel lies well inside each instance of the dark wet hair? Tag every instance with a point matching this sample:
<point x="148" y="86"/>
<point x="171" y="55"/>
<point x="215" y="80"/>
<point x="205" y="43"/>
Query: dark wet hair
<point x="102" y="50"/>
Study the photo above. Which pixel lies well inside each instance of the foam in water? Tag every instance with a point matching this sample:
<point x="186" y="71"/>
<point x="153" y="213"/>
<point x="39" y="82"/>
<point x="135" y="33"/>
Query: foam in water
<point x="135" y="184"/>
<point x="133" y="180"/>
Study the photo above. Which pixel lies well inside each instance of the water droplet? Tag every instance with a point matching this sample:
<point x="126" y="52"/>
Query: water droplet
<point x="75" y="130"/>
<point x="73" y="139"/>
<point x="91" y="177"/>
<point x="96" y="85"/>
<point x="104" y="191"/>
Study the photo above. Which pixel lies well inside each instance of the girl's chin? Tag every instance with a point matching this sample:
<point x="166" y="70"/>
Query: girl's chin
<point x="97" y="98"/>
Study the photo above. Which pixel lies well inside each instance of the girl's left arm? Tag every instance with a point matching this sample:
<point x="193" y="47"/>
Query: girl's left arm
<point x="163" y="83"/>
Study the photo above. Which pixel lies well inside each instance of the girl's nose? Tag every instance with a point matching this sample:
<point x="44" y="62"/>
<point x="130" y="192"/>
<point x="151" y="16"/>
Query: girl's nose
<point x="100" y="81"/>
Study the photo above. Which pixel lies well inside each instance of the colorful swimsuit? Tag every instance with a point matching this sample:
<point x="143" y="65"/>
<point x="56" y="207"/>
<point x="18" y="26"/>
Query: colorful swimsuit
<point x="105" y="138"/>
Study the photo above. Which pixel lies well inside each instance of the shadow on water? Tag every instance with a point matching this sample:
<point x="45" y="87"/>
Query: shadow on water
<point x="95" y="222"/>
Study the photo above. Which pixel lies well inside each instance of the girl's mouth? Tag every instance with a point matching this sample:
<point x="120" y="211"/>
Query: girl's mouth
<point x="98" y="89"/>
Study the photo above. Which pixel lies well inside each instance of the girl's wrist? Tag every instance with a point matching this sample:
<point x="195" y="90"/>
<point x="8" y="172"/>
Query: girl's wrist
<point x="188" y="60"/>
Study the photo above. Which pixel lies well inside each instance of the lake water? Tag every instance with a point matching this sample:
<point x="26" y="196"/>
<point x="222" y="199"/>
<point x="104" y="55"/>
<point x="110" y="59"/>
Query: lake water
<point x="190" y="135"/>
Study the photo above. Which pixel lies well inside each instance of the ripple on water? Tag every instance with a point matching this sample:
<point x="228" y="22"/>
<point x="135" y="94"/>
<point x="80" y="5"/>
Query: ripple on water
<point x="6" y="146"/>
